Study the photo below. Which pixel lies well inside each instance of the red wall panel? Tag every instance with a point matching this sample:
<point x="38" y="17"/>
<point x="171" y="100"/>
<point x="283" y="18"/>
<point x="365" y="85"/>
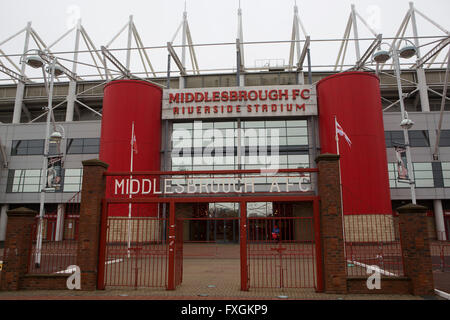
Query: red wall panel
<point x="354" y="98"/>
<point x="126" y="101"/>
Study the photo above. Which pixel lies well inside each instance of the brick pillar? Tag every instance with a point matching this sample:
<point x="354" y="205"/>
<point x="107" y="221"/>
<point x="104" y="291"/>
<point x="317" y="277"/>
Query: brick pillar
<point x="17" y="247"/>
<point x="334" y="272"/>
<point x="92" y="193"/>
<point x="415" y="242"/>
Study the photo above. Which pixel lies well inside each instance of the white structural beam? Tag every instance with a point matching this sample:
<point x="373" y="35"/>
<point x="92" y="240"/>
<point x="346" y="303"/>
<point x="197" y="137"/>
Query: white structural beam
<point x="373" y="46"/>
<point x="72" y="93"/>
<point x="439" y="220"/>
<point x="355" y="33"/>
<point x="3" y="221"/>
<point x="295" y="47"/>
<point x="130" y="36"/>
<point x="21" y="85"/>
<point x="175" y="58"/>
<point x="240" y="63"/>
<point x="343" y="47"/>
<point x="422" y="83"/>
<point x="431" y="54"/>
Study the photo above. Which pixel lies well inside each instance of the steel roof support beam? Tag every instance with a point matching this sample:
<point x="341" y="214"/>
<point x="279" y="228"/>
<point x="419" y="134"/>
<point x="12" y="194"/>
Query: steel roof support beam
<point x="441" y="115"/>
<point x="21" y="85"/>
<point x="72" y="93"/>
<point x="125" y="72"/>
<point x="175" y="58"/>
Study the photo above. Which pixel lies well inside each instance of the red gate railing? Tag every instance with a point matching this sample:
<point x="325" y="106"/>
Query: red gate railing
<point x="372" y="240"/>
<point x="135" y="252"/>
<point x="179" y="254"/>
<point x="440" y="255"/>
<point x="281" y="252"/>
<point x="52" y="256"/>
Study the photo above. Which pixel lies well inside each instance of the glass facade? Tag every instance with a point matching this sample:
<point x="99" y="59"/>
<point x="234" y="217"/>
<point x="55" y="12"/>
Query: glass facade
<point x="83" y="146"/>
<point x="214" y="145"/>
<point x="446" y="173"/>
<point x="29" y="180"/>
<point x="417" y="138"/>
<point x="31" y="147"/>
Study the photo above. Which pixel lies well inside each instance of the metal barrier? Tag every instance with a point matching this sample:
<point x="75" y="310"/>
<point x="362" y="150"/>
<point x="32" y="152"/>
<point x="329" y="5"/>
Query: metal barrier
<point x="136" y="252"/>
<point x="281" y="252"/>
<point x="372" y="240"/>
<point x="53" y="256"/>
<point x="440" y="255"/>
<point x="179" y="254"/>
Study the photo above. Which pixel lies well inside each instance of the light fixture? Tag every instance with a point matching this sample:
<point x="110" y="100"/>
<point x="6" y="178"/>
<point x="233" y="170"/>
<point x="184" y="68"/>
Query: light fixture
<point x="34" y="61"/>
<point x="56" y="137"/>
<point x="58" y="71"/>
<point x="407" y="52"/>
<point x="406" y="124"/>
<point x="381" y="56"/>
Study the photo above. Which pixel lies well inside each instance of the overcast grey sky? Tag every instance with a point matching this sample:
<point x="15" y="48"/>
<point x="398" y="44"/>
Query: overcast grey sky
<point x="213" y="21"/>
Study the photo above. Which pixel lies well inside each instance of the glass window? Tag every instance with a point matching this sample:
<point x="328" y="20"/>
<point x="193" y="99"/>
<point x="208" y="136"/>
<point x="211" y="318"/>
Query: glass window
<point x="83" y="146"/>
<point x="393" y="173"/>
<point x="73" y="179"/>
<point x="446" y="173"/>
<point x="27" y="147"/>
<point x="23" y="180"/>
<point x="417" y="138"/>
<point x="186" y="126"/>
<point x="444" y="139"/>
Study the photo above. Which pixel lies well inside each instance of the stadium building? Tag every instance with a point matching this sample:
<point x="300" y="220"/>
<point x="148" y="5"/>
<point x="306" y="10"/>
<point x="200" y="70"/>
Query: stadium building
<point x="276" y="115"/>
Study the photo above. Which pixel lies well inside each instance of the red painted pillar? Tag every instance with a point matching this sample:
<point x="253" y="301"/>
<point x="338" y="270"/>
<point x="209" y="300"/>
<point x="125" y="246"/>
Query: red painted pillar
<point x="354" y="99"/>
<point x="243" y="246"/>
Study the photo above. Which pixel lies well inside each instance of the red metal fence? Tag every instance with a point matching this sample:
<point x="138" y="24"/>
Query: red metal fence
<point x="281" y="252"/>
<point x="440" y="256"/>
<point x="372" y="240"/>
<point x="51" y="256"/>
<point x="179" y="254"/>
<point x="136" y="252"/>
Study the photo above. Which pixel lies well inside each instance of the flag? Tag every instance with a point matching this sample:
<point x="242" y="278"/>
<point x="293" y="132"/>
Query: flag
<point x="341" y="132"/>
<point x="133" y="142"/>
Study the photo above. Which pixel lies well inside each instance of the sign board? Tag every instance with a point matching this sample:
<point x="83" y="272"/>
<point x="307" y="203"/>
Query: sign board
<point x="266" y="101"/>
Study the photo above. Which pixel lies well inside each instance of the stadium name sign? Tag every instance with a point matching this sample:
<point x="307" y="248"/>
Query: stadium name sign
<point x="268" y="101"/>
<point x="144" y="186"/>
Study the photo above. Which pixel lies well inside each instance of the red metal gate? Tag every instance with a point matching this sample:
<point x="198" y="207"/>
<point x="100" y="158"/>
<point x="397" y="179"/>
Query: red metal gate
<point x="281" y="252"/>
<point x="179" y="253"/>
<point x="135" y="252"/>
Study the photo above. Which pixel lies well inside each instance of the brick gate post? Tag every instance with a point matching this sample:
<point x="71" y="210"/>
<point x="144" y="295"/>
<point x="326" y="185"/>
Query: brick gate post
<point x="416" y="248"/>
<point x="333" y="257"/>
<point x="17" y="247"/>
<point x="92" y="193"/>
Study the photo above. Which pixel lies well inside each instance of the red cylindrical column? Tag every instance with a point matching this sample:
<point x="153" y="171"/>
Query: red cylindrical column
<point x="354" y="99"/>
<point x="125" y="102"/>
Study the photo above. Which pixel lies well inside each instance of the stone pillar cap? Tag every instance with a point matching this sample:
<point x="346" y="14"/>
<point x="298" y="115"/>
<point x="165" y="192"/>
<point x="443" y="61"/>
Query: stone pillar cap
<point x="327" y="157"/>
<point x="95" y="162"/>
<point x="21" y="212"/>
<point x="412" y="208"/>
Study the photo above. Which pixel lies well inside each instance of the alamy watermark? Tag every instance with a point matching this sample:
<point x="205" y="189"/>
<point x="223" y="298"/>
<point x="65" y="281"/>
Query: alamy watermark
<point x="74" y="280"/>
<point x="374" y="280"/>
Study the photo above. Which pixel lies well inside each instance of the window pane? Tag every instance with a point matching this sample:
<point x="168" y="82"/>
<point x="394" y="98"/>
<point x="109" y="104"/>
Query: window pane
<point x="296" y="123"/>
<point x="91" y="149"/>
<point x="297" y="131"/>
<point x="187" y="125"/>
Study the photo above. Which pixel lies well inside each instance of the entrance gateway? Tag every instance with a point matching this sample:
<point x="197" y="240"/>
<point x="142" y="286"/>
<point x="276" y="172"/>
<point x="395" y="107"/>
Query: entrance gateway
<point x="264" y="239"/>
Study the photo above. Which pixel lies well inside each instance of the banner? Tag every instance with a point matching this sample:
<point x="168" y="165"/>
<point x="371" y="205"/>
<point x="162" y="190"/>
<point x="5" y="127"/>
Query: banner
<point x="402" y="169"/>
<point x="54" y="172"/>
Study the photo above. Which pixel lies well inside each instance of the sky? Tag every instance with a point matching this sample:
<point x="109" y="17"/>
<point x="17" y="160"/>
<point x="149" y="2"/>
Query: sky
<point x="212" y="21"/>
